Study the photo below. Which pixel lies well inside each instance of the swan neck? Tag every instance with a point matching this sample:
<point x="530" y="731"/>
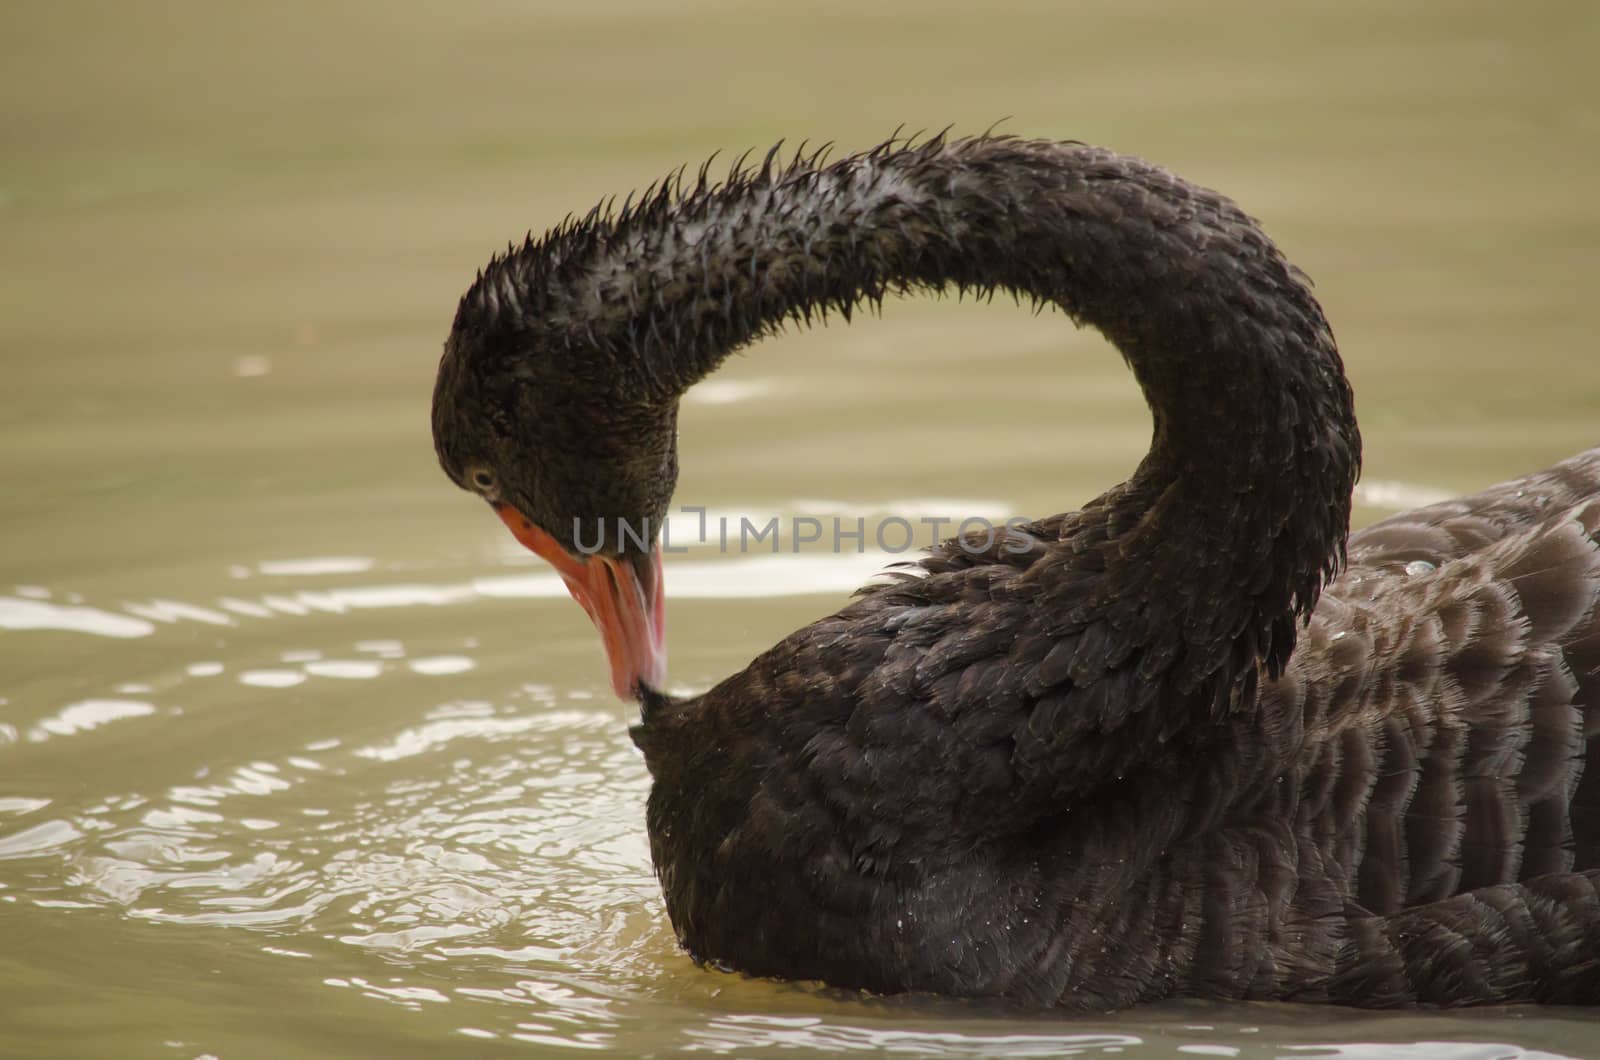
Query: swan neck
<point x="1255" y="447"/>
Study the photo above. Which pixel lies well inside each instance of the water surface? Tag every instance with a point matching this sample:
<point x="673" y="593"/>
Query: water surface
<point x="301" y="755"/>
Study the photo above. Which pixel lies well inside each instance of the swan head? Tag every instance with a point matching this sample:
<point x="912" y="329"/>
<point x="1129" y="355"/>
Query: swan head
<point x="578" y="465"/>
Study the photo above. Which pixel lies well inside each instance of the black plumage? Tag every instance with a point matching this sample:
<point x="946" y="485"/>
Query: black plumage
<point x="1167" y="745"/>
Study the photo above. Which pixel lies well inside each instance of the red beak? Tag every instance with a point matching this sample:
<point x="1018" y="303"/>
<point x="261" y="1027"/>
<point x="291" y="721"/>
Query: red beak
<point x="622" y="597"/>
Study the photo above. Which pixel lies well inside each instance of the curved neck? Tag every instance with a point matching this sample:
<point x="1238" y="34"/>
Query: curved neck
<point x="1255" y="447"/>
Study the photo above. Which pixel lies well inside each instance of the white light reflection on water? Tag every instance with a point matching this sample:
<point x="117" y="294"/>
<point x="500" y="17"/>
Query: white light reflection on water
<point x="345" y="669"/>
<point x="726" y="391"/>
<point x="166" y="611"/>
<point x="89" y="714"/>
<point x="39" y="839"/>
<point x="20" y="613"/>
<point x="316" y="565"/>
<point x="1398" y="496"/>
<point x="272" y="678"/>
<point x="441" y="665"/>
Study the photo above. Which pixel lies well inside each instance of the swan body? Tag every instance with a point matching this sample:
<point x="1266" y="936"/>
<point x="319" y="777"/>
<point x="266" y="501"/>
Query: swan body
<point x="1186" y="741"/>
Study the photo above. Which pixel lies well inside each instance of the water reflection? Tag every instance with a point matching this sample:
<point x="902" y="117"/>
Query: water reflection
<point x="38" y="839"/>
<point x="89" y="714"/>
<point x="21" y="613"/>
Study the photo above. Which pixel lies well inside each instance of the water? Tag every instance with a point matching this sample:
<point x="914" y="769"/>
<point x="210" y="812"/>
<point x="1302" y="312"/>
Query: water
<point x="301" y="755"/>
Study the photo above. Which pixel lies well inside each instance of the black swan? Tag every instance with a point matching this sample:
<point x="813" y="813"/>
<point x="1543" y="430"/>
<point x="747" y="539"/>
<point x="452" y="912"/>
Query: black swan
<point x="1184" y="742"/>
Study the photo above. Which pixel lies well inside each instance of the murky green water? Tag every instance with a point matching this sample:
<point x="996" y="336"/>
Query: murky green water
<point x="301" y="755"/>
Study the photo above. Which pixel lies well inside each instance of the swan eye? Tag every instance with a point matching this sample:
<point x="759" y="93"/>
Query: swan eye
<point x="482" y="479"/>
